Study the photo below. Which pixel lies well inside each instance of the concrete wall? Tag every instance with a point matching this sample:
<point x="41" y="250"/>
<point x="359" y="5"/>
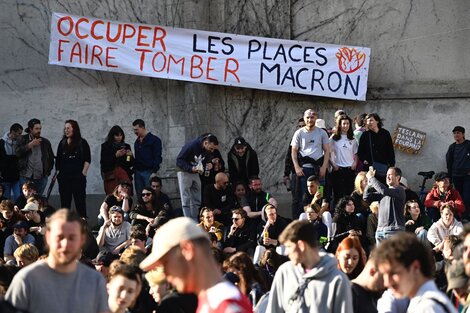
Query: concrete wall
<point x="419" y="75"/>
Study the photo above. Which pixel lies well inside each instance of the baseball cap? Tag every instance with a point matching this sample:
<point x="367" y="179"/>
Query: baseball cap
<point x="456" y="277"/>
<point x="240" y="141"/>
<point x="441" y="176"/>
<point x="169" y="236"/>
<point x="458" y="129"/>
<point x="404" y="181"/>
<point x="22" y="224"/>
<point x="125" y="182"/>
<point x="104" y="258"/>
<point x="339" y="112"/>
<point x="320" y="123"/>
<point x="31" y="206"/>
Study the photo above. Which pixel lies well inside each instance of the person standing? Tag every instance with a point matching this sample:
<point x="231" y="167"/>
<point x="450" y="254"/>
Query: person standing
<point x="376" y="147"/>
<point x="311" y="281"/>
<point x="392" y="201"/>
<point x="60" y="283"/>
<point x="9" y="174"/>
<point x="310" y="154"/>
<point x="242" y="161"/>
<point x="182" y="248"/>
<point x="343" y="158"/>
<point x="458" y="166"/>
<point x="35" y="156"/>
<point x="367" y="288"/>
<point x="290" y="177"/>
<point x="408" y="267"/>
<point x="73" y="161"/>
<point x="148" y="155"/>
<point x="189" y="162"/>
<point x="116" y="160"/>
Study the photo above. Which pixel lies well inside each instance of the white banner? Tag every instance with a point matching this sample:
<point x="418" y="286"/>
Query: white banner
<point x="209" y="57"/>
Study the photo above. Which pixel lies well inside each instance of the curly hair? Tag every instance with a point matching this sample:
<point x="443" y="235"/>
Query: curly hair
<point x="340" y="209"/>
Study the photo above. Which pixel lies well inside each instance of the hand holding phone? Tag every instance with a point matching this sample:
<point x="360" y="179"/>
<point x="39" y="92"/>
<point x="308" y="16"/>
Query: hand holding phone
<point x="320" y="191"/>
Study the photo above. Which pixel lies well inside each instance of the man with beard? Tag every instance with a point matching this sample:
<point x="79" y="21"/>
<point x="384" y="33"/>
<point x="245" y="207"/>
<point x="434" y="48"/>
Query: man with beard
<point x="35" y="156"/>
<point x="219" y="197"/>
<point x="242" y="161"/>
<point x="257" y="198"/>
<point x="60" y="283"/>
<point x="19" y="237"/>
<point x="392" y="201"/>
<point x="115" y="233"/>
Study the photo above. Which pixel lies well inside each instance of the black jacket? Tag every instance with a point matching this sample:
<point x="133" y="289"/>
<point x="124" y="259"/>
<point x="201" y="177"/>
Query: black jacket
<point x="109" y="162"/>
<point x="242" y="172"/>
<point x="8" y="165"/>
<point x="382" y="147"/>
<point x="24" y="153"/>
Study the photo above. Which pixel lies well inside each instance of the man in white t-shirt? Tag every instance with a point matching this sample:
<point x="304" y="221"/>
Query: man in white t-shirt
<point x="182" y="249"/>
<point x="310" y="153"/>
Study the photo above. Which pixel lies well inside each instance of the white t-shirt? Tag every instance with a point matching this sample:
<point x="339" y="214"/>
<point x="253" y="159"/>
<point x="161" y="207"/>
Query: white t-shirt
<point x="343" y="151"/>
<point x="310" y="143"/>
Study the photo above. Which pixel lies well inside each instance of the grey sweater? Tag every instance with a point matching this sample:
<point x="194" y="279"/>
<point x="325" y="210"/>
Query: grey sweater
<point x="392" y="203"/>
<point x="327" y="289"/>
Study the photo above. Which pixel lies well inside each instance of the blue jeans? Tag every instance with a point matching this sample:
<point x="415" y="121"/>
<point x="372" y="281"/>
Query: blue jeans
<point x="9" y="188"/>
<point x="40" y="183"/>
<point x="381" y="235"/>
<point x="141" y="179"/>
<point x="462" y="184"/>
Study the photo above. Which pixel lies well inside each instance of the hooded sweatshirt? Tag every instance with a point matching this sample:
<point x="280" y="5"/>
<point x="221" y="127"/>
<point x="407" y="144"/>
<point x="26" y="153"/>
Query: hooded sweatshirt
<point x="8" y="159"/>
<point x="322" y="289"/>
<point x="438" y="231"/>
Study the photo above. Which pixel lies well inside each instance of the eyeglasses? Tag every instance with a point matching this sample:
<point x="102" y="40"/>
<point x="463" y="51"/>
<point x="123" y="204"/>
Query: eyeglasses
<point x="235" y="219"/>
<point x="146" y="194"/>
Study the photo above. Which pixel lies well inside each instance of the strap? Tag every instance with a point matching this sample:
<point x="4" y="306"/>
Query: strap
<point x="442" y="305"/>
<point x="370" y="146"/>
<point x="299" y="293"/>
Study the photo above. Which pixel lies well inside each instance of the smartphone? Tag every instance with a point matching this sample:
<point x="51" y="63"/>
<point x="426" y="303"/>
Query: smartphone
<point x="320" y="190"/>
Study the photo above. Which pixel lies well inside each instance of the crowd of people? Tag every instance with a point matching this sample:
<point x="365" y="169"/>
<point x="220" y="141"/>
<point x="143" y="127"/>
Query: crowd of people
<point x="358" y="239"/>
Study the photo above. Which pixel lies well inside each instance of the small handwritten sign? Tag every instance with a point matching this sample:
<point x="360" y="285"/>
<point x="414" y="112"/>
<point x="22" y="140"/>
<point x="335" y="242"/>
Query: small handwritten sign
<point x="408" y="140"/>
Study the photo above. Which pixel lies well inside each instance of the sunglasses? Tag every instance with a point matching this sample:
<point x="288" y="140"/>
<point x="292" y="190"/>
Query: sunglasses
<point x="146" y="194"/>
<point x="235" y="219"/>
<point x="116" y="209"/>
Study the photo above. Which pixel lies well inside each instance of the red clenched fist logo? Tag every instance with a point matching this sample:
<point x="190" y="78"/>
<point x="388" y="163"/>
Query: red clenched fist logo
<point x="350" y="60"/>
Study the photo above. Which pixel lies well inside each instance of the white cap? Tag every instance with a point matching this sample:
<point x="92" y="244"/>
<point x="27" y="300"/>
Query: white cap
<point x="320" y="123"/>
<point x="31" y="206"/>
<point x="169" y="236"/>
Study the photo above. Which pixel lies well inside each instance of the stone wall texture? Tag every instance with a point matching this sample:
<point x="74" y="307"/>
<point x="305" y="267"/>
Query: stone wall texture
<point x="419" y="75"/>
